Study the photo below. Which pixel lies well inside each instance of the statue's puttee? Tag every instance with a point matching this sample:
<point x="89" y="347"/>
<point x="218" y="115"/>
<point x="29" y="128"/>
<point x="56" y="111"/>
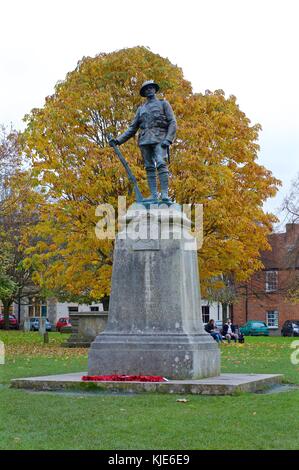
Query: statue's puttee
<point x="157" y="124"/>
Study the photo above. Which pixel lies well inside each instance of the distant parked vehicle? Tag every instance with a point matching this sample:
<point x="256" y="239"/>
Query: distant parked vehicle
<point x="13" y="322"/>
<point x="63" y="322"/>
<point x="290" y="328"/>
<point x="219" y="324"/>
<point x="254" y="328"/>
<point x="34" y="324"/>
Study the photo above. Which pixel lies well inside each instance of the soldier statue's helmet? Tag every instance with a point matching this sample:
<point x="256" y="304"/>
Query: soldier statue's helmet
<point x="149" y="83"/>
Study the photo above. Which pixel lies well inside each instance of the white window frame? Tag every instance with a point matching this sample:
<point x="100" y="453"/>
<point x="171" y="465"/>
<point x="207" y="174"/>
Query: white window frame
<point x="271" y="281"/>
<point x="271" y="326"/>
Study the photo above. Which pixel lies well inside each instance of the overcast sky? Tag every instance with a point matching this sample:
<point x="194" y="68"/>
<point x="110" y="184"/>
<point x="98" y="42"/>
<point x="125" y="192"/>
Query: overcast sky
<point x="248" y="48"/>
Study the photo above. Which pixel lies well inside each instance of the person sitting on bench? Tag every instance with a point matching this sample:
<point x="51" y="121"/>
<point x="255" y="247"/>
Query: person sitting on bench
<point x="211" y="328"/>
<point x="229" y="331"/>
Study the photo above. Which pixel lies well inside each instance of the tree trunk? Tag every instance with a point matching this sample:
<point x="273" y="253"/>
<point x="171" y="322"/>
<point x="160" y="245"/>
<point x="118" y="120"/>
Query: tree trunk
<point x="6" y="307"/>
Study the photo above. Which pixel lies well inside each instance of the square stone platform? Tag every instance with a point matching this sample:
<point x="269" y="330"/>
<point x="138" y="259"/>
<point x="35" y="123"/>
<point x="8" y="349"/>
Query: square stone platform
<point x="224" y="384"/>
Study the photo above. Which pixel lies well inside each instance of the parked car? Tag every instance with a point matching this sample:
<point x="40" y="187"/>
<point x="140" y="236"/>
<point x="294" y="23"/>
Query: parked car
<point x="34" y="324"/>
<point x="63" y="322"/>
<point x="290" y="328"/>
<point x="13" y="322"/>
<point x="254" y="328"/>
<point x="219" y="324"/>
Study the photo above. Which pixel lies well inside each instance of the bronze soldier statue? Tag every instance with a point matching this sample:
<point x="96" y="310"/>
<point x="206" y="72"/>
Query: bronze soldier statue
<point x="157" y="124"/>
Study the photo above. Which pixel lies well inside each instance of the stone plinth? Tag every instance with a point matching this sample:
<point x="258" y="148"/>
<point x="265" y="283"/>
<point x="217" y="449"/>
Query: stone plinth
<point x="224" y="384"/>
<point x="154" y="325"/>
<point x="85" y="327"/>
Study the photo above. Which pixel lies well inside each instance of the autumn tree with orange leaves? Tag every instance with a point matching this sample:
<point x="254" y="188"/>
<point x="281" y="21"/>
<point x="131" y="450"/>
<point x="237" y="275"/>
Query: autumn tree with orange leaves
<point x="213" y="162"/>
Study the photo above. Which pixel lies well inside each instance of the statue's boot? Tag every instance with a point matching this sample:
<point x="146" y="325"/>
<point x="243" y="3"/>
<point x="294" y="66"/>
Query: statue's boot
<point x="152" y="183"/>
<point x="163" y="177"/>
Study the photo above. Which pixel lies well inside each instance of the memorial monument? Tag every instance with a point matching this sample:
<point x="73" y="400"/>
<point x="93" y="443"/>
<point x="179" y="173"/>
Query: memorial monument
<point x="154" y="324"/>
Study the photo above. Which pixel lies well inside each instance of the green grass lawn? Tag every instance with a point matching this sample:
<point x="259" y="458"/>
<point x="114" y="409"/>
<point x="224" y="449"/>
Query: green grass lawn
<point x="31" y="420"/>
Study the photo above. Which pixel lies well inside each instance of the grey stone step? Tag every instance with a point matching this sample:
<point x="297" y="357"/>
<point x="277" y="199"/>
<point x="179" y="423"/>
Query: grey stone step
<point x="224" y="384"/>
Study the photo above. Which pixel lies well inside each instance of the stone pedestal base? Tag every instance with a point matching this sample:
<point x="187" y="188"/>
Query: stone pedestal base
<point x="154" y="325"/>
<point x="224" y="384"/>
<point x="171" y="356"/>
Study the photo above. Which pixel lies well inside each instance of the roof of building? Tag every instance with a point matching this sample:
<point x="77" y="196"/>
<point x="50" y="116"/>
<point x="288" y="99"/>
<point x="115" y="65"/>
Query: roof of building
<point x="285" y="249"/>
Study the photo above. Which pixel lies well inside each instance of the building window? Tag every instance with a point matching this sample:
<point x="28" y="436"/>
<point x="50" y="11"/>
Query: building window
<point x="44" y="310"/>
<point x="205" y="313"/>
<point x="272" y="318"/>
<point x="34" y="307"/>
<point x="271" y="281"/>
<point x="94" y="309"/>
<point x="73" y="309"/>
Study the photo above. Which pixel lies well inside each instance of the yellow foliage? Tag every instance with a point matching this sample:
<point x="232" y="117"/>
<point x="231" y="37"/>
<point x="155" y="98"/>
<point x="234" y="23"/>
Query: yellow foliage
<point x="214" y="162"/>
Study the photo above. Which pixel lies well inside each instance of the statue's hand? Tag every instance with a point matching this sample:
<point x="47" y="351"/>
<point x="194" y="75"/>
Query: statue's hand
<point x="165" y="143"/>
<point x="113" y="142"/>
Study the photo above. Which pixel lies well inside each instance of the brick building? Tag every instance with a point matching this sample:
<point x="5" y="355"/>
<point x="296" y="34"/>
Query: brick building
<point x="264" y="296"/>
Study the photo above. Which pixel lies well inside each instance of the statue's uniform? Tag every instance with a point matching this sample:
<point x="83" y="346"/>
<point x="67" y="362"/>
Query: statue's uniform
<point x="157" y="123"/>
